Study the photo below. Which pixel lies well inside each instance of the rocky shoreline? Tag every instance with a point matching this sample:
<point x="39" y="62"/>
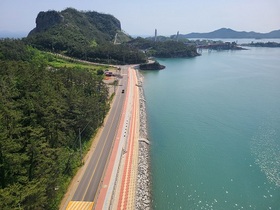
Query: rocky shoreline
<point x="143" y="191"/>
<point x="151" y="66"/>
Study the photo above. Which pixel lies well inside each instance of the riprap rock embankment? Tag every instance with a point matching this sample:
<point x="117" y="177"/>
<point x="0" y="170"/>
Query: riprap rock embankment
<point x="143" y="193"/>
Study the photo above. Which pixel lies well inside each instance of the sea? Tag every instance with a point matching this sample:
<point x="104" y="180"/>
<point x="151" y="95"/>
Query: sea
<point x="214" y="127"/>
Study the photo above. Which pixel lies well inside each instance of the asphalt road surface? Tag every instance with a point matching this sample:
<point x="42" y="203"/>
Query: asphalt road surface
<point x="88" y="187"/>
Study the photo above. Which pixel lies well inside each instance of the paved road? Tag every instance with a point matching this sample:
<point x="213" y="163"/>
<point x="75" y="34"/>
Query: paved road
<point x="88" y="187"/>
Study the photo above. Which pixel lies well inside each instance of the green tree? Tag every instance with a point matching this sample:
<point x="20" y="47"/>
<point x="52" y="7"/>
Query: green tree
<point x="41" y="112"/>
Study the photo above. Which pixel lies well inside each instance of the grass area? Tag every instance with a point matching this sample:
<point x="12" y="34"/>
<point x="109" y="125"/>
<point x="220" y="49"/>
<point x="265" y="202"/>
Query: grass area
<point x="111" y="97"/>
<point x="58" y="61"/>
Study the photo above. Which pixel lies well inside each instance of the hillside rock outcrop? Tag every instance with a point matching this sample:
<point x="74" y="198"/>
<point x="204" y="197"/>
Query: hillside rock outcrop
<point x="46" y="20"/>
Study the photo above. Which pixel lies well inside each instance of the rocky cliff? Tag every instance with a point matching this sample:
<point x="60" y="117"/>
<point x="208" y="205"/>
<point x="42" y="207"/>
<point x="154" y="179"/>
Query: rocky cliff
<point x="46" y="20"/>
<point x="72" y="27"/>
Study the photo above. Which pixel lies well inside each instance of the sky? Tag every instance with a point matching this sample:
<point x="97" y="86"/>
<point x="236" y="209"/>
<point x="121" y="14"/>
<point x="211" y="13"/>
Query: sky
<point x="142" y="17"/>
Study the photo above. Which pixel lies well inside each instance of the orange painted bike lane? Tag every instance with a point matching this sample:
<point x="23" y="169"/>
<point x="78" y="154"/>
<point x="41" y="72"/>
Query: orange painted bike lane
<point x="125" y="199"/>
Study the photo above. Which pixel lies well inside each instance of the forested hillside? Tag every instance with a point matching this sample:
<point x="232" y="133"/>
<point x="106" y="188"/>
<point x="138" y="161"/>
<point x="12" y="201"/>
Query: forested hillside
<point x="164" y="49"/>
<point x="84" y="35"/>
<point x="41" y="111"/>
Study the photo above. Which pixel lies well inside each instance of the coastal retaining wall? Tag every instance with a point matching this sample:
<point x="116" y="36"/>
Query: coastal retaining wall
<point x="143" y="191"/>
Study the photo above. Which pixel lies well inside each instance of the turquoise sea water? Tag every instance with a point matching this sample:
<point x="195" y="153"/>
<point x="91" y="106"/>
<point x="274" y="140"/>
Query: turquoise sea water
<point x="214" y="124"/>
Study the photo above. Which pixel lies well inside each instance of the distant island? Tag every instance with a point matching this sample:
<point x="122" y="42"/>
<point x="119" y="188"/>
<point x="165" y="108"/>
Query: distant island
<point x="216" y="45"/>
<point x="262" y="44"/>
<point x="227" y="33"/>
<point x="14" y="35"/>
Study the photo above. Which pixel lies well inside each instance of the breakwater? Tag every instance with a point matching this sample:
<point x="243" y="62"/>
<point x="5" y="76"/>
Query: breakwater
<point x="143" y="191"/>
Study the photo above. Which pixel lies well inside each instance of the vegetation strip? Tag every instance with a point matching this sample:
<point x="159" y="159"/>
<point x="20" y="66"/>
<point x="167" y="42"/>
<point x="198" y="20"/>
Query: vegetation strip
<point x="42" y="109"/>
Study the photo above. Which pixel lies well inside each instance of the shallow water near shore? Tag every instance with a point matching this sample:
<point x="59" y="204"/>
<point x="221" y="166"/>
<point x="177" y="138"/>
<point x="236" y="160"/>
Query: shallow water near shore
<point x="214" y="124"/>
